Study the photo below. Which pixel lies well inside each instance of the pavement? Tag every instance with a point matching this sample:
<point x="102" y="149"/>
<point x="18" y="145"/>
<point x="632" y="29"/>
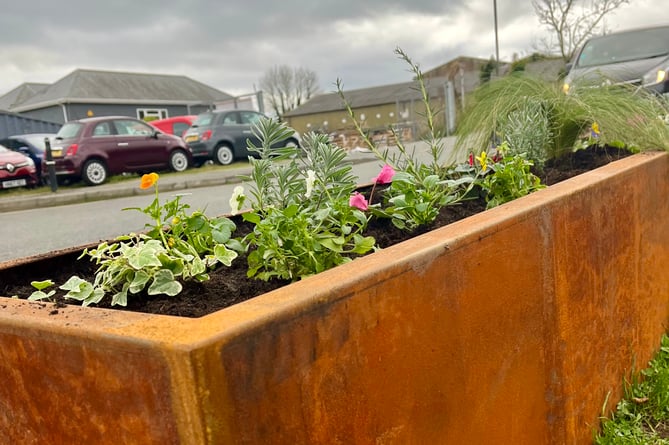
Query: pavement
<point x="189" y="179"/>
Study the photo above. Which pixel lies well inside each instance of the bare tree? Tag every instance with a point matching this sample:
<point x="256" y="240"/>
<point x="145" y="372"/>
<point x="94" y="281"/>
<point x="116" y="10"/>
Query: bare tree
<point x="287" y="88"/>
<point x="573" y="21"/>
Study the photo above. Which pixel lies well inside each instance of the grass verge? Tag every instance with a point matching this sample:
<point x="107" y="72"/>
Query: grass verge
<point x="642" y="417"/>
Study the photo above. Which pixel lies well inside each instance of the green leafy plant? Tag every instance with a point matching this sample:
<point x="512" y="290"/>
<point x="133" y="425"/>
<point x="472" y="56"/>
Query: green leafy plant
<point x="39" y="294"/>
<point x="176" y="246"/>
<point x="526" y="131"/>
<point x="303" y="223"/>
<point x="506" y="177"/>
<point x="621" y="113"/>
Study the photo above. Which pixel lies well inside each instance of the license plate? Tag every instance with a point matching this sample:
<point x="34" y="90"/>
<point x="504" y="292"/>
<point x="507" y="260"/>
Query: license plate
<point x="13" y="183"/>
<point x="191" y="138"/>
<point x="56" y="152"/>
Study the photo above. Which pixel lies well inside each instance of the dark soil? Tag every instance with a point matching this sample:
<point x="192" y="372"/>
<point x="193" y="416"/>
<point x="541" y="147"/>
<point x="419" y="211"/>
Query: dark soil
<point x="229" y="285"/>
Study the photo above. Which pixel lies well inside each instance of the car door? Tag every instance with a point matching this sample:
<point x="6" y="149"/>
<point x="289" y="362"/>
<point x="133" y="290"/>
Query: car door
<point x="137" y="147"/>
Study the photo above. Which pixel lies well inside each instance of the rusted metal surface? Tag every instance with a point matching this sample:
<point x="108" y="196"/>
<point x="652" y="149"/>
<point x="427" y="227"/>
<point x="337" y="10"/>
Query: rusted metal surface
<point x="511" y="326"/>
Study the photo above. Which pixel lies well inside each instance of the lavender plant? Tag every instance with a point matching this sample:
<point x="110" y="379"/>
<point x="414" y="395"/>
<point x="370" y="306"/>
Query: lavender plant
<point x="303" y="223"/>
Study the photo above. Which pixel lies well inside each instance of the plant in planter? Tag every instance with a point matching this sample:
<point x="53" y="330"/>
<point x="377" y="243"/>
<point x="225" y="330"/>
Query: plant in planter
<point x="537" y="118"/>
<point x="177" y="247"/>
<point x="408" y="345"/>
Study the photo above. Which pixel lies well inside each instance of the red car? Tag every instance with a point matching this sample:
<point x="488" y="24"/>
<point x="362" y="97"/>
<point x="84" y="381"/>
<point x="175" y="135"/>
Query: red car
<point x="176" y="125"/>
<point x="16" y="169"/>
<point x="94" y="148"/>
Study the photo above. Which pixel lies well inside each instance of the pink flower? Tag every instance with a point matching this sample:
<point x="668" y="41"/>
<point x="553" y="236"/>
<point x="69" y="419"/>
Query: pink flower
<point x="386" y="175"/>
<point x="358" y="201"/>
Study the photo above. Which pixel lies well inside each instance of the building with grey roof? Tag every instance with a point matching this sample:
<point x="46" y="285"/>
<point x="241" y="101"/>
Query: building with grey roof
<point x="86" y="93"/>
<point x="21" y="93"/>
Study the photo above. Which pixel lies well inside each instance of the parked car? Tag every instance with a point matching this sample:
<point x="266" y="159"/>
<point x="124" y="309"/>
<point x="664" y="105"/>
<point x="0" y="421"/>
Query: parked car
<point x="16" y="169"/>
<point x="637" y="57"/>
<point x="94" y="148"/>
<point x="176" y="125"/>
<point x="31" y="145"/>
<point x="222" y="136"/>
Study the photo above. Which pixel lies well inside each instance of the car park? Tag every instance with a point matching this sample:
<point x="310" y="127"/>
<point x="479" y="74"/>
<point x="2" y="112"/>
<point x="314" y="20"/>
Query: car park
<point x="16" y="169"/>
<point x="176" y="125"/>
<point x="223" y="135"/>
<point x="32" y="145"/>
<point x="94" y="148"/>
<point x="638" y="57"/>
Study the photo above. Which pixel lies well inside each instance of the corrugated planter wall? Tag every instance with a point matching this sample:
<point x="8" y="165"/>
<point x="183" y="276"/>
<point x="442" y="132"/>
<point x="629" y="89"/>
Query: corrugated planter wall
<point x="508" y="327"/>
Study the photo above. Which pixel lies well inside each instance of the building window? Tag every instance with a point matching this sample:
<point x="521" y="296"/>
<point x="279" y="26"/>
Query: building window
<point x="151" y="114"/>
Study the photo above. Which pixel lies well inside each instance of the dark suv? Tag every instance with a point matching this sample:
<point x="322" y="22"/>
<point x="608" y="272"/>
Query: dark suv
<point x="94" y="148"/>
<point x="222" y="136"/>
<point x="638" y="57"/>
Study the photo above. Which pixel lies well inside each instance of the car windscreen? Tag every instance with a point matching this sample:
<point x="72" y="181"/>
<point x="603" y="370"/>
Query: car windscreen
<point x="69" y="130"/>
<point x="623" y="47"/>
<point x="203" y="119"/>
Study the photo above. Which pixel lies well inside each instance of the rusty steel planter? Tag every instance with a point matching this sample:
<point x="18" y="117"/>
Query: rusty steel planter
<point x="508" y="327"/>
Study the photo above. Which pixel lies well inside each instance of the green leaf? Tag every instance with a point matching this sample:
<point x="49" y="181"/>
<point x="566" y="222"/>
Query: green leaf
<point x="164" y="283"/>
<point x="40" y="295"/>
<point x="138" y="282"/>
<point x="144" y="255"/>
<point x="73" y="284"/>
<point x="176" y="265"/>
<point x="121" y="298"/>
<point x="253" y="218"/>
<point x="291" y="211"/>
<point x="81" y="291"/>
<point x="94" y="297"/>
<point x="224" y="255"/>
<point x="41" y="285"/>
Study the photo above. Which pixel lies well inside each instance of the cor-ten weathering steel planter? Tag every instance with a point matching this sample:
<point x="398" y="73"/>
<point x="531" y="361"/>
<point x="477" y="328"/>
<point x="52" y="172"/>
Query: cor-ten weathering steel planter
<point x="508" y="327"/>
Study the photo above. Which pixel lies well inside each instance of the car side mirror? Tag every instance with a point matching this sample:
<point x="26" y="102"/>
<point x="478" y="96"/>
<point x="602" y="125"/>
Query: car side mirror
<point x="155" y="134"/>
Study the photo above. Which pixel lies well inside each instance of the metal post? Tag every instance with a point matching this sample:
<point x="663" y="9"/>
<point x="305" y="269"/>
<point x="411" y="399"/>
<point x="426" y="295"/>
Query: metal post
<point x="494" y="4"/>
<point x="51" y="165"/>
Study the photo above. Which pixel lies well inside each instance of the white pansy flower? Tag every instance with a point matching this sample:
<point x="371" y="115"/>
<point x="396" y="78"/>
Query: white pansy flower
<point x="237" y="199"/>
<point x="311" y="178"/>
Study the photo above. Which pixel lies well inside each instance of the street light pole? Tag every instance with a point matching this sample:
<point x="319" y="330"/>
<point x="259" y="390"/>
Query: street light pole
<point x="494" y="4"/>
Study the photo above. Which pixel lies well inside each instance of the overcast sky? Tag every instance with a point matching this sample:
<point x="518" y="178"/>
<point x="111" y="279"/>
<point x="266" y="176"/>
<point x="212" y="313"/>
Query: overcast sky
<point x="230" y="45"/>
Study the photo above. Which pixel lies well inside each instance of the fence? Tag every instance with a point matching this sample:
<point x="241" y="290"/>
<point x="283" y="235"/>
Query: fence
<point x="12" y="124"/>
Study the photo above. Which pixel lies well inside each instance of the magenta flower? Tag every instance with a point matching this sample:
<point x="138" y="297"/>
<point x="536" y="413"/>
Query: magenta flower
<point x="386" y="175"/>
<point x="358" y="201"/>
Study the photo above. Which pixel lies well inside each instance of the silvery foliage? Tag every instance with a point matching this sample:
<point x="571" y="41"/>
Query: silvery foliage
<point x="527" y="130"/>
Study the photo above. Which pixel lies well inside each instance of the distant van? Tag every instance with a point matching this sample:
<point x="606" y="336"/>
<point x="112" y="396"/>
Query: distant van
<point x="176" y="125"/>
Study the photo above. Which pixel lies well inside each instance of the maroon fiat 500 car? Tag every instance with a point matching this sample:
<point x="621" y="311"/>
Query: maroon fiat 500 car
<point x="94" y="148"/>
<point x="16" y="169"/>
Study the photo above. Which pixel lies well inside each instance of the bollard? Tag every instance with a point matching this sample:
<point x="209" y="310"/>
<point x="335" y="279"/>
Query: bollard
<point x="51" y="165"/>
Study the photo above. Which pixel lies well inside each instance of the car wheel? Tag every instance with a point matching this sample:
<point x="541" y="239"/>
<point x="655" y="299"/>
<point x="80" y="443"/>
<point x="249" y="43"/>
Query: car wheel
<point x="94" y="172"/>
<point x="178" y="161"/>
<point x="223" y="155"/>
<point x="292" y="143"/>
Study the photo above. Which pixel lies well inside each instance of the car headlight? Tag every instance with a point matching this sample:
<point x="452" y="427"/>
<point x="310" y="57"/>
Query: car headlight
<point x="657" y="75"/>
